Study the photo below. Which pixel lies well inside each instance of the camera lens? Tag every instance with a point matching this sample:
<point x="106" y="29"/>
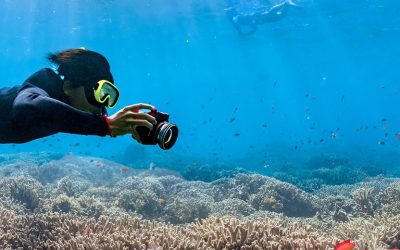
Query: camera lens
<point x="167" y="135"/>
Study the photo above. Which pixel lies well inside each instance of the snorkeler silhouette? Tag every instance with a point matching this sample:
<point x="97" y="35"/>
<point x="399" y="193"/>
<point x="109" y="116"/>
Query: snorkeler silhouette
<point x="260" y="16"/>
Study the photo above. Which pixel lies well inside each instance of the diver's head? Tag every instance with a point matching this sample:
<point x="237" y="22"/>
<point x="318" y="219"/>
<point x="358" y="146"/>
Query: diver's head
<point x="87" y="79"/>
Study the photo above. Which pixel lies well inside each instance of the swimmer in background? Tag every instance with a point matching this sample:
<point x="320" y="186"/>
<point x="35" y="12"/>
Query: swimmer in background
<point x="258" y="17"/>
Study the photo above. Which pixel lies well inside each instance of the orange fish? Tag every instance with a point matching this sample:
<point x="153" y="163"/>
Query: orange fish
<point x="124" y="169"/>
<point x="86" y="231"/>
<point x="99" y="165"/>
<point x="345" y="245"/>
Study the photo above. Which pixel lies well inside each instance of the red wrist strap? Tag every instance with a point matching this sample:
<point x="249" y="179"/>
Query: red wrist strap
<point x="108" y="125"/>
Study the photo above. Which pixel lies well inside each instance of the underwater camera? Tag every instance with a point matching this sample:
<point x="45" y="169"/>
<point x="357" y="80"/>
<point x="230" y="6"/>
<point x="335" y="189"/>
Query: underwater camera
<point x="164" y="133"/>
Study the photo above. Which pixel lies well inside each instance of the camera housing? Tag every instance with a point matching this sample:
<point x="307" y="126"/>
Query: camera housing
<point x="163" y="133"/>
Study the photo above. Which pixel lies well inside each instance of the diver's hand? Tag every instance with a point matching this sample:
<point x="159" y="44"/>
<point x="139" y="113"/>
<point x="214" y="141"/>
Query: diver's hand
<point x="127" y="119"/>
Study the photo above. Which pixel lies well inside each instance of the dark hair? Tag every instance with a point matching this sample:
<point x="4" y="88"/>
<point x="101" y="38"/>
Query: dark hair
<point x="82" y="67"/>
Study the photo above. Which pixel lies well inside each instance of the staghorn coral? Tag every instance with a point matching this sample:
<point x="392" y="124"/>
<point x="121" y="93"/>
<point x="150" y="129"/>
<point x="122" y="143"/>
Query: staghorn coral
<point x="283" y="197"/>
<point x="144" y="202"/>
<point x="91" y="207"/>
<point x="241" y="186"/>
<point x="233" y="207"/>
<point x="50" y="172"/>
<point x="71" y="186"/>
<point x="68" y="231"/>
<point x="102" y="193"/>
<point x="95" y="216"/>
<point x="388" y="199"/>
<point x="65" y="204"/>
<point x="147" y="183"/>
<point x="372" y="233"/>
<point x="186" y="210"/>
<point x="24" y="190"/>
<point x="366" y="204"/>
<point x="168" y="181"/>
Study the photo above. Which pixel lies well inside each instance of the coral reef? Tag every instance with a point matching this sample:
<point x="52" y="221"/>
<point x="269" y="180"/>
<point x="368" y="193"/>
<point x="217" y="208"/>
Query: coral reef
<point x="24" y="190"/>
<point x="89" y="203"/>
<point x="68" y="231"/>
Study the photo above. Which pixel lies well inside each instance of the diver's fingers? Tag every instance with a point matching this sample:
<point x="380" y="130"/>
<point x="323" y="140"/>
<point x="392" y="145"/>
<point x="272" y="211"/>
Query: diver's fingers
<point x="136" y="123"/>
<point x="139" y="106"/>
<point x="140" y="116"/>
<point x="136" y="136"/>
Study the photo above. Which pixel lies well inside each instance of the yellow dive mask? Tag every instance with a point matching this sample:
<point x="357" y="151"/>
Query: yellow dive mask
<point x="106" y="93"/>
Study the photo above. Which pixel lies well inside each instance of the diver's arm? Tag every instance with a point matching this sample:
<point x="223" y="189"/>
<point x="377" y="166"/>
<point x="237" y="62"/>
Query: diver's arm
<point x="34" y="108"/>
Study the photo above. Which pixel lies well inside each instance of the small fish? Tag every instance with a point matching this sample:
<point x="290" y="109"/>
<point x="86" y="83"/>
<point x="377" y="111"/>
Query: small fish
<point x="124" y="169"/>
<point x="321" y="140"/>
<point x="99" y="165"/>
<point x="86" y="231"/>
<point x="251" y="146"/>
<point x="234" y="111"/>
<point x="307" y="95"/>
<point x="236" y="134"/>
<point x="398" y="136"/>
<point x="296" y="147"/>
<point x="345" y="245"/>
<point x="232" y="119"/>
<point x="383" y="120"/>
<point x="381" y="142"/>
<point x="342" y="98"/>
<point x="386" y="134"/>
<point x="382" y="86"/>
<point x="333" y="135"/>
<point x="385" y="126"/>
<point x="264" y="125"/>
<point x="274" y="84"/>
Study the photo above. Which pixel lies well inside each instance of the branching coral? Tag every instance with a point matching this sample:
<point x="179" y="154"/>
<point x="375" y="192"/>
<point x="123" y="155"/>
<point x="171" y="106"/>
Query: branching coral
<point x="144" y="202"/>
<point x="68" y="231"/>
<point x="24" y="190"/>
<point x="65" y="204"/>
<point x="71" y="186"/>
<point x="366" y="205"/>
<point x="372" y="233"/>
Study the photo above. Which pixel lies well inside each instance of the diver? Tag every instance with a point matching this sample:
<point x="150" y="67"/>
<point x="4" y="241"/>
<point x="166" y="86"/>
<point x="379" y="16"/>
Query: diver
<point x="72" y="98"/>
<point x="260" y="16"/>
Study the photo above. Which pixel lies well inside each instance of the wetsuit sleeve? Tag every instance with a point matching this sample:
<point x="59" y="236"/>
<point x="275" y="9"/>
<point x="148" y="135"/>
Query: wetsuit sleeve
<point x="34" y="109"/>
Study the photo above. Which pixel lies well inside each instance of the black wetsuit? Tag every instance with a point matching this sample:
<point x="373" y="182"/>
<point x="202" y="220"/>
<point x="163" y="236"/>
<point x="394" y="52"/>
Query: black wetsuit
<point x="39" y="108"/>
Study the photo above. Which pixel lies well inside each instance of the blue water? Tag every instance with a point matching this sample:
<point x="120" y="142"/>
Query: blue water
<point x="330" y="67"/>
